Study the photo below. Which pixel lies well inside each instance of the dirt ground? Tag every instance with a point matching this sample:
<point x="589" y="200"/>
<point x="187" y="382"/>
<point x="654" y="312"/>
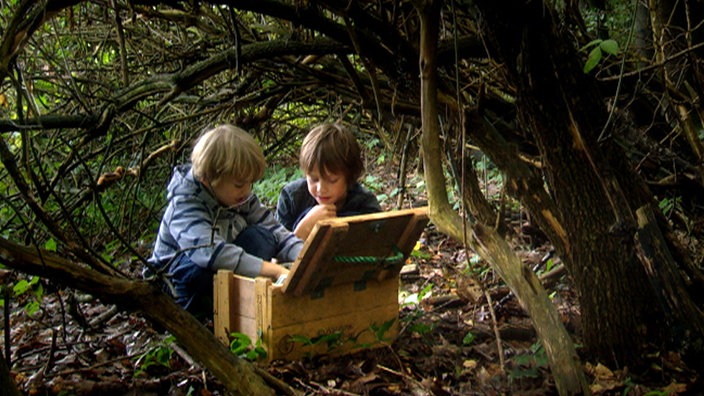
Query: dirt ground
<point x="455" y="339"/>
<point x="459" y="335"/>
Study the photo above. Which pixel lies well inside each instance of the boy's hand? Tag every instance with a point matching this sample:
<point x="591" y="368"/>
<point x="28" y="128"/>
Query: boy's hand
<point x="272" y="270"/>
<point x="315" y="214"/>
<point x="321" y="212"/>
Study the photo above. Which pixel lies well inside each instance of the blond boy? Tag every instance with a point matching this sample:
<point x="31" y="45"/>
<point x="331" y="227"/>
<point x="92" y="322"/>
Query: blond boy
<point x="213" y="220"/>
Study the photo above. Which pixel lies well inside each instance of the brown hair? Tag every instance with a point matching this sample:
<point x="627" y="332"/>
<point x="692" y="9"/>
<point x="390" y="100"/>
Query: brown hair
<point x="332" y="147"/>
<point x="227" y="151"/>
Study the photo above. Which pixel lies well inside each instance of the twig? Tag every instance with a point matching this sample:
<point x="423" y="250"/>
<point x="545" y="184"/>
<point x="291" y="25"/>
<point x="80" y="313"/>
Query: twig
<point x="497" y="334"/>
<point x="103" y="317"/>
<point x="6" y="314"/>
<point x="277" y="383"/>
<point x="337" y="391"/>
<point x="93" y="367"/>
<point x="403" y="375"/>
<point x="184" y="355"/>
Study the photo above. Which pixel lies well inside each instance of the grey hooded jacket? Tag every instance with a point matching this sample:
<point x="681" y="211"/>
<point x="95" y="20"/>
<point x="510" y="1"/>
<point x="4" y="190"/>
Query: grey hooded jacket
<point x="196" y="223"/>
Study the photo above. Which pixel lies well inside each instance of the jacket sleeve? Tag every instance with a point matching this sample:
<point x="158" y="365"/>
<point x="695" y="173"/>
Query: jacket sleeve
<point x="288" y="244"/>
<point x="285" y="211"/>
<point x="193" y="229"/>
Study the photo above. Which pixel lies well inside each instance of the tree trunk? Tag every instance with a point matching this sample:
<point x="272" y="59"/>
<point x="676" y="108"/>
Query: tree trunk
<point x="237" y="375"/>
<point x="595" y="196"/>
<point x="474" y="200"/>
<point x="564" y="362"/>
<point x="7" y="383"/>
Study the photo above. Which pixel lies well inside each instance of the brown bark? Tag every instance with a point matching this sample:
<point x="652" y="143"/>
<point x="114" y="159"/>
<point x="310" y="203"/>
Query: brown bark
<point x="474" y="199"/>
<point x="660" y="267"/>
<point x="595" y="194"/>
<point x="7" y="383"/>
<point x="564" y="362"/>
<point x="237" y="375"/>
<point x="522" y="181"/>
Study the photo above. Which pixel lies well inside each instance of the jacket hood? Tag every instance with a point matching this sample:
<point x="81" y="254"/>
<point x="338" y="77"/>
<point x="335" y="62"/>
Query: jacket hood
<point x="183" y="183"/>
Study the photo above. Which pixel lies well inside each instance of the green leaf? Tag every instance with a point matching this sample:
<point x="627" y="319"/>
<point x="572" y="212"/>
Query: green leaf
<point x="610" y="47"/>
<point x="420" y="328"/>
<point x="240" y="343"/>
<point x="32" y="307"/>
<point x="549" y="265"/>
<point x="20" y="287"/>
<point x="50" y="245"/>
<point x="379" y="331"/>
<point x="302" y="340"/>
<point x="593" y="60"/>
<point x="468" y="339"/>
<point x="591" y="44"/>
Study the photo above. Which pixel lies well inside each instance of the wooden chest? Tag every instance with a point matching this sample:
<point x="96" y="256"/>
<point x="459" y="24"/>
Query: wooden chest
<point x="341" y="294"/>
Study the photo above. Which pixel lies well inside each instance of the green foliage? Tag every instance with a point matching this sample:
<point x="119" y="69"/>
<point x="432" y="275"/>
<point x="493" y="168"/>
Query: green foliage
<point x="373" y="182"/>
<point x="549" y="265"/>
<point x="413" y="301"/>
<point x="528" y="365"/>
<point x="657" y="393"/>
<point x="669" y="205"/>
<point x="421" y="254"/>
<point x="241" y="346"/>
<point x="337" y="339"/>
<point x="331" y="340"/>
<point x="28" y="292"/>
<point x="600" y="47"/>
<point x="476" y="267"/>
<point x="24" y="286"/>
<point x="110" y="249"/>
<point x="468" y="339"/>
<point x="50" y="245"/>
<point x="421" y="328"/>
<point x="380" y="331"/>
<point x="615" y="20"/>
<point x="159" y="355"/>
<point x="371" y="145"/>
<point x="275" y="177"/>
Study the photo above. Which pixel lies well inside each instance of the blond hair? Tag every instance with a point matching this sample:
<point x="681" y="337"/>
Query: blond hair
<point x="227" y="151"/>
<point x="332" y="147"/>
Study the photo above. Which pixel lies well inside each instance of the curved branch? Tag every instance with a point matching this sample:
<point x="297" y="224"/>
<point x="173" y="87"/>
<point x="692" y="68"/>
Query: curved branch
<point x="237" y="375"/>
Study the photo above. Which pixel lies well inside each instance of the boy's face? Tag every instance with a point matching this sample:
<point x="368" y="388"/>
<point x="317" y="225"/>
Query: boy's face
<point x="231" y="192"/>
<point x="327" y="189"/>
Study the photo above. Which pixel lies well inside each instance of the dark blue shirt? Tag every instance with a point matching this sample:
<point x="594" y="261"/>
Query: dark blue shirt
<point x="295" y="202"/>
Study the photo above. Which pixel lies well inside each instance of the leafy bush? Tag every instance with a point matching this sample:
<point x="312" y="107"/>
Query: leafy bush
<point x="157" y="356"/>
<point x="241" y="346"/>
<point x="275" y="177"/>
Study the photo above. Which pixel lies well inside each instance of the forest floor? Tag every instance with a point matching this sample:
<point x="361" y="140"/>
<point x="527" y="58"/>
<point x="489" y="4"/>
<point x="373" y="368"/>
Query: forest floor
<point x="455" y="339"/>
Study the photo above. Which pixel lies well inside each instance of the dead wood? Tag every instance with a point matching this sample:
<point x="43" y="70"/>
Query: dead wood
<point x="237" y="375"/>
<point x="564" y="362"/>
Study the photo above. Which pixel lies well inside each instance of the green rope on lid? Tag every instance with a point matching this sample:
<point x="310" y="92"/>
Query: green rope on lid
<point x="395" y="259"/>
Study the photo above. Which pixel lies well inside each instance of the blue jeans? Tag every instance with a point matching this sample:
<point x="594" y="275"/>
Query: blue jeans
<point x="193" y="285"/>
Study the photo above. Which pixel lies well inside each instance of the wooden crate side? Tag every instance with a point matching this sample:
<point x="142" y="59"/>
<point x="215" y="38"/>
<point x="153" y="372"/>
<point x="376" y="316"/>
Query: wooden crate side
<point x="262" y="290"/>
<point x="261" y="310"/>
<point x="222" y="305"/>
<point x="234" y="305"/>
<point x="354" y="329"/>
<point x="345" y="299"/>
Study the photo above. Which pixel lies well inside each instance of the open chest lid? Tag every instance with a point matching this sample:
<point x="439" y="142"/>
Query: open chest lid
<point x="355" y="249"/>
